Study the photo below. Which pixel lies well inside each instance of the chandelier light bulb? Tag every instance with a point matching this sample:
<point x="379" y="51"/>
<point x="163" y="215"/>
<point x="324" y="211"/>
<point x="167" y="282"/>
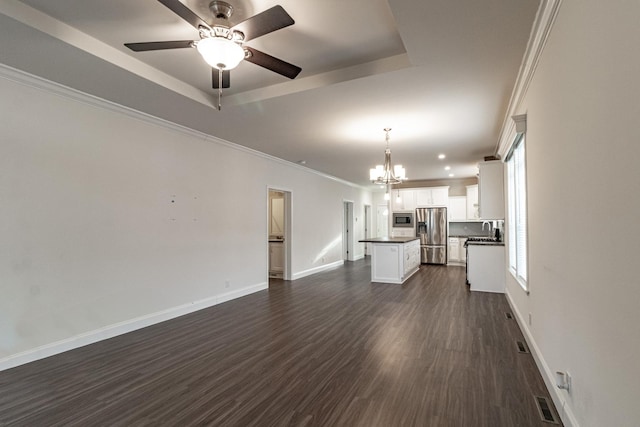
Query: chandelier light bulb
<point x="387" y="174"/>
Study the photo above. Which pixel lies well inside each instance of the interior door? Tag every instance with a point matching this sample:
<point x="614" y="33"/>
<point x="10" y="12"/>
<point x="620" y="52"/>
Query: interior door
<point x="382" y="220"/>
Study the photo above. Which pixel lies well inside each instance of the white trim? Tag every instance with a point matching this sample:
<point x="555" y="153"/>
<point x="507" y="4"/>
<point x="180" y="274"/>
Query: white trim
<point x="319" y="269"/>
<point x="36" y="82"/>
<point x="558" y="396"/>
<point x="124" y="327"/>
<point x="523" y="285"/>
<point x="539" y="34"/>
<point x="61" y="31"/>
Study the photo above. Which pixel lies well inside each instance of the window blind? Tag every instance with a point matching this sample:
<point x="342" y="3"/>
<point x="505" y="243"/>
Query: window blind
<point x="517" y="211"/>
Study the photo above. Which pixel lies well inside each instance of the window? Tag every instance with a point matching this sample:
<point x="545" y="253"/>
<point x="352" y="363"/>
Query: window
<point x="517" y="214"/>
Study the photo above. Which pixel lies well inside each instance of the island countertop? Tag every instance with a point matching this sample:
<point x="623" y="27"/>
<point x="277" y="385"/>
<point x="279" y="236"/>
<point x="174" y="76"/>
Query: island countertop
<point x="389" y="239"/>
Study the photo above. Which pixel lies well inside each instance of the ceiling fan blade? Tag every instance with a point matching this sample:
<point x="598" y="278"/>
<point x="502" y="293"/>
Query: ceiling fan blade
<point x="264" y="23"/>
<point x="271" y="63"/>
<point x="226" y="78"/>
<point x="142" y="47"/>
<point x="185" y="13"/>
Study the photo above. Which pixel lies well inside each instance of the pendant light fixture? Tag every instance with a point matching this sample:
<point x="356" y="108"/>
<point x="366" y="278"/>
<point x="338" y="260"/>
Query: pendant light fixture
<point x="220" y="52"/>
<point x="385" y="174"/>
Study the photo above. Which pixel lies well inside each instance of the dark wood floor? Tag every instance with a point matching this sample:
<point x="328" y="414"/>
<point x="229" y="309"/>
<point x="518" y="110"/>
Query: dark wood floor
<point x="331" y="349"/>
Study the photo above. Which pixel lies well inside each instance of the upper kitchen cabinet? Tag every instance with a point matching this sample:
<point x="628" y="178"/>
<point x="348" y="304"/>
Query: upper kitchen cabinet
<point x="457" y="208"/>
<point x="472" y="202"/>
<point x="406" y="201"/>
<point x="432" y="196"/>
<point x="491" y="189"/>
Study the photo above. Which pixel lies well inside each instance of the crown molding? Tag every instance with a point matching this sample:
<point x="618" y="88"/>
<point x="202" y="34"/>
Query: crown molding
<point x="540" y="31"/>
<point x="42" y="84"/>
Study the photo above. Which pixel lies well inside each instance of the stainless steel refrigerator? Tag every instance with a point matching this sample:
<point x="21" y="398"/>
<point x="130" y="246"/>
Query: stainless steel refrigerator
<point x="432" y="230"/>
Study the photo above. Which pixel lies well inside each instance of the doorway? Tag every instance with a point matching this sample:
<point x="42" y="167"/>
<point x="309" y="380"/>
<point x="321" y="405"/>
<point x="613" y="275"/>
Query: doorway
<point x="347" y="232"/>
<point x="279" y="234"/>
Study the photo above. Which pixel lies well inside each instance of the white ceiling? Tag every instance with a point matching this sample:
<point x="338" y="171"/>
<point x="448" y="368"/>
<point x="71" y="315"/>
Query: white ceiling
<point x="439" y="72"/>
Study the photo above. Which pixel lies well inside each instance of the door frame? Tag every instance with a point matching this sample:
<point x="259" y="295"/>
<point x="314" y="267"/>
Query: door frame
<point x="367" y="228"/>
<point x="288" y="221"/>
<point x="348" y="233"/>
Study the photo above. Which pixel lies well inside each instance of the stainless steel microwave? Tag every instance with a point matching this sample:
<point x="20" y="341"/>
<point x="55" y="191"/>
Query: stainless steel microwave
<point x="402" y="219"/>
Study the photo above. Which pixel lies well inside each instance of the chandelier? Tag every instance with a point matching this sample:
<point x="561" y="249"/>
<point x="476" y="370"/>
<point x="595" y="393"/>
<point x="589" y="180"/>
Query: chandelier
<point x="384" y="174"/>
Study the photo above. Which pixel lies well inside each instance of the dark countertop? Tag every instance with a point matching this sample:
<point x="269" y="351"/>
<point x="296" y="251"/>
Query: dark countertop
<point x="389" y="239"/>
<point x="485" y="243"/>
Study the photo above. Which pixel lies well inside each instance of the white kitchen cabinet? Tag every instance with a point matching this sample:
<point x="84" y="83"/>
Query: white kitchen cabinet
<point x="472" y="202"/>
<point x="403" y="232"/>
<point x="454" y="249"/>
<point x="407" y="200"/>
<point x="486" y="268"/>
<point x="457" y="208"/>
<point x="457" y="251"/>
<point x="432" y="196"/>
<point x="411" y="257"/>
<point x="491" y="189"/>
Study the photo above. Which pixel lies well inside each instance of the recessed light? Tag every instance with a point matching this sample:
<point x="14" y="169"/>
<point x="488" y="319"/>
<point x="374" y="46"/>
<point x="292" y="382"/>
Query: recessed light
<point x="441" y="156"/>
<point x="447" y="168"/>
<point x="451" y="175"/>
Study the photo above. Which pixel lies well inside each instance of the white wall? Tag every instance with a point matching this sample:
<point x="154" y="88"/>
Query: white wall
<point x="583" y="107"/>
<point x="111" y="222"/>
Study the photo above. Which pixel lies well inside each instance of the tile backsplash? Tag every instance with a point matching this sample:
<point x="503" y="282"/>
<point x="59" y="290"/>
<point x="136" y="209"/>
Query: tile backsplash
<point x="472" y="228"/>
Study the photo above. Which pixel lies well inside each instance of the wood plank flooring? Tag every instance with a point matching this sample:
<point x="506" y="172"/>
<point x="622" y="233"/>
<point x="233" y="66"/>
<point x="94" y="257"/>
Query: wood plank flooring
<point x="330" y="349"/>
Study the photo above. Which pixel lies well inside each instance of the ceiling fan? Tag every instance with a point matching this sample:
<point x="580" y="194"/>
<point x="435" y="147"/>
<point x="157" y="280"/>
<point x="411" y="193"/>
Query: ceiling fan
<point x="221" y="46"/>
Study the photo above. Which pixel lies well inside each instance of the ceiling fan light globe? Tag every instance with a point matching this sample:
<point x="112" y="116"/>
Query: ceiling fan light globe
<point x="220" y="53"/>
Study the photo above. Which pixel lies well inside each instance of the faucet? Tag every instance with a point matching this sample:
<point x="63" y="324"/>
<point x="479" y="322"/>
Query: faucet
<point x="486" y="223"/>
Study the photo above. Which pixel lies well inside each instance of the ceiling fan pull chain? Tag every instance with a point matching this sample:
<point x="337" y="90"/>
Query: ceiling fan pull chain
<point x="219" y="89"/>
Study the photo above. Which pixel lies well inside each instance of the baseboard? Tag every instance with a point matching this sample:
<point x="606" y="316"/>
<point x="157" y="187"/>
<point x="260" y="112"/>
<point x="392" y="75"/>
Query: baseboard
<point x="314" y="270"/>
<point x="122" y="328"/>
<point x="565" y="412"/>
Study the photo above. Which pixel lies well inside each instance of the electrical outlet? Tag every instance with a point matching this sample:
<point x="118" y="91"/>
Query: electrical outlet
<point x="563" y="380"/>
<point x="529" y="319"/>
<point x="226" y="284"/>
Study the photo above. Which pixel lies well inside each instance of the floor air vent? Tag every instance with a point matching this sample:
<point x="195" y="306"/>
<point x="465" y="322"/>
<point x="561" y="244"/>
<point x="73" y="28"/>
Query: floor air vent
<point x="509" y="315"/>
<point x="544" y="408"/>
<point x="522" y="347"/>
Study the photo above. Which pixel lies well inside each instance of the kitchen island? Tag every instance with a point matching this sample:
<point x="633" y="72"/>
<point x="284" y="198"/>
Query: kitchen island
<point x="393" y="259"/>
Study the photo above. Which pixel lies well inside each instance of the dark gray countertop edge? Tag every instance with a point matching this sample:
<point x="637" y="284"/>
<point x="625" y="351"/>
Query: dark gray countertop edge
<point x="466" y="236"/>
<point x="485" y="243"/>
<point x="389" y="240"/>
